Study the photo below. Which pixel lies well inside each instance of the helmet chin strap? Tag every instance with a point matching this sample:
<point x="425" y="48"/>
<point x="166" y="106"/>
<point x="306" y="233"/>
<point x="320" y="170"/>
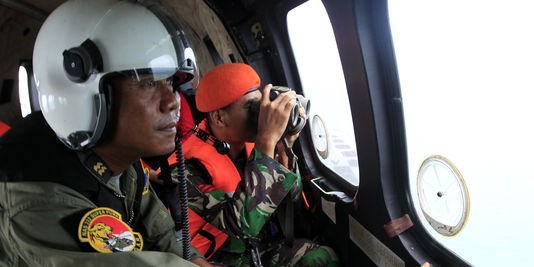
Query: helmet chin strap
<point x="86" y="139"/>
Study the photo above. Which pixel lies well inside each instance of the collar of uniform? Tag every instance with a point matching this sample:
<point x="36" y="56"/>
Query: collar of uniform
<point x="94" y="164"/>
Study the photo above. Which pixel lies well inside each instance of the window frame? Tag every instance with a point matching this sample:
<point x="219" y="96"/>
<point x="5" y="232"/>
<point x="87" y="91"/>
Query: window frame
<point x="387" y="120"/>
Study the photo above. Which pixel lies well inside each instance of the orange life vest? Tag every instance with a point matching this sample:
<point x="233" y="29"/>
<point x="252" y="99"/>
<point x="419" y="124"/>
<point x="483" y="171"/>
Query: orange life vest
<point x="204" y="236"/>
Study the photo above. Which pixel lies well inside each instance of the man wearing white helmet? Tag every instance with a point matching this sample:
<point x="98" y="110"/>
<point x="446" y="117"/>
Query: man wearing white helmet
<point x="73" y="191"/>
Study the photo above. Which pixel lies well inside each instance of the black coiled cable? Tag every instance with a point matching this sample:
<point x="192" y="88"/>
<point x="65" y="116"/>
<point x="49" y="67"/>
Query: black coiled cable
<point x="184" y="205"/>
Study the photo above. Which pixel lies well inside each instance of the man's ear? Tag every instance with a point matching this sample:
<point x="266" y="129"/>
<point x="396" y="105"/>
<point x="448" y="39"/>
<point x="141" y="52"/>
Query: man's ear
<point x="218" y="117"/>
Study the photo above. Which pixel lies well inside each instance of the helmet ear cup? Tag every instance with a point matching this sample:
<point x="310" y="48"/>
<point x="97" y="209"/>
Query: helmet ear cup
<point x="82" y="61"/>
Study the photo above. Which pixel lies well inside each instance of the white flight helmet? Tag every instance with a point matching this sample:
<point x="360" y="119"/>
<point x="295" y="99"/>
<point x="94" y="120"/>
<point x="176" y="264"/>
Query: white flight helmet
<point x="84" y="43"/>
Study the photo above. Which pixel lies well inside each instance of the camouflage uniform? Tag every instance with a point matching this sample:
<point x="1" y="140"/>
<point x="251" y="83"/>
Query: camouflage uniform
<point x="250" y="213"/>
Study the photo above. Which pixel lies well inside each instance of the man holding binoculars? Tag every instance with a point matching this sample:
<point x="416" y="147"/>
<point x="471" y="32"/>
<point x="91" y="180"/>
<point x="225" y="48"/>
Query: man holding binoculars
<point x="236" y="193"/>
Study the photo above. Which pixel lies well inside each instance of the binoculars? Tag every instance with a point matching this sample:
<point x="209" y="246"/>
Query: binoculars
<point x="296" y="122"/>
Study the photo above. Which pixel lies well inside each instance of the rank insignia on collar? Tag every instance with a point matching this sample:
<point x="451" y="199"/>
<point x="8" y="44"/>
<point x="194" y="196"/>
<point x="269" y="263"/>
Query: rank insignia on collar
<point x="105" y="231"/>
<point x="100" y="168"/>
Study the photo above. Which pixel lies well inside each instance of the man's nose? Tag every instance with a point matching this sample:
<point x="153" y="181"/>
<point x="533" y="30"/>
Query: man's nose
<point x="170" y="99"/>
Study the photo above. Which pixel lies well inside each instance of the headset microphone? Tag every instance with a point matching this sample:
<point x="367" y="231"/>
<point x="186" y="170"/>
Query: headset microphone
<point x="222" y="147"/>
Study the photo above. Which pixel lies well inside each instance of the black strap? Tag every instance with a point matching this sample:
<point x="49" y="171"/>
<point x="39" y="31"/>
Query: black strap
<point x="288" y="226"/>
<point x="142" y="181"/>
<point x="292" y="157"/>
<point x="212" y="240"/>
<point x="169" y="192"/>
<point x="255" y="257"/>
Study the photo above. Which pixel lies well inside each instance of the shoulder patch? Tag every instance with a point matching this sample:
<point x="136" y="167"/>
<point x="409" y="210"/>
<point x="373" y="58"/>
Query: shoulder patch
<point x="105" y="231"/>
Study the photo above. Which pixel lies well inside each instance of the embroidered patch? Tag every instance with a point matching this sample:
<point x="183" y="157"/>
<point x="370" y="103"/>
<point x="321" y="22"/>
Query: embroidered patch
<point x="105" y="231"/>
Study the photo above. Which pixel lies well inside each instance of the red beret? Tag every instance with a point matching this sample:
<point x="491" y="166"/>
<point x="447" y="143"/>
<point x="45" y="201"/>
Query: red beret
<point x="224" y="84"/>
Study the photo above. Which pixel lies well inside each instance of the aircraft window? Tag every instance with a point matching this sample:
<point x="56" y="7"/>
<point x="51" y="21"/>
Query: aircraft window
<point x="465" y="71"/>
<point x="24" y="91"/>
<point x="323" y="83"/>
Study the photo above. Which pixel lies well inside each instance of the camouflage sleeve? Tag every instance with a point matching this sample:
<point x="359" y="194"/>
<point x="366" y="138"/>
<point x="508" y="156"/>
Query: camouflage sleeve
<point x="263" y="187"/>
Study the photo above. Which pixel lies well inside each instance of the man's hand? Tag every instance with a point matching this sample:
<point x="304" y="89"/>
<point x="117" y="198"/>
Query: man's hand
<point x="281" y="155"/>
<point x="273" y="119"/>
<point x="201" y="262"/>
